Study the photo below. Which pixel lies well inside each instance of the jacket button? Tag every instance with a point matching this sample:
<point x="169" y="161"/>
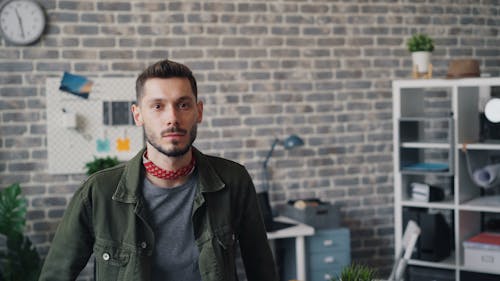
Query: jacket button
<point x="105" y="256"/>
<point x="144" y="245"/>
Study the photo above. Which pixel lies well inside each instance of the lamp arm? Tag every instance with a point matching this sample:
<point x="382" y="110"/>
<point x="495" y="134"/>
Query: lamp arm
<point x="270" y="153"/>
<point x="264" y="166"/>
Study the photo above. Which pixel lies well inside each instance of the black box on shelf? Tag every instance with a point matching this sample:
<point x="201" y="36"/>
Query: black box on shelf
<point x="475" y="276"/>
<point x="488" y="131"/>
<point x="420" y="273"/>
<point x="424" y="192"/>
<point x="434" y="243"/>
<point x="317" y="214"/>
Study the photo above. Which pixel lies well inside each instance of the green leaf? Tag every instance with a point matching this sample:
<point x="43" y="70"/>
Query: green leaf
<point x="356" y="272"/>
<point x="420" y="43"/>
<point x="100" y="163"/>
<point x="12" y="210"/>
<point x="20" y="259"/>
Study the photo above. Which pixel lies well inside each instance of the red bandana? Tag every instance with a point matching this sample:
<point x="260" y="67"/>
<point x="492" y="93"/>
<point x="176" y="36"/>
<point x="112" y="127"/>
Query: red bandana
<point x="158" y="172"/>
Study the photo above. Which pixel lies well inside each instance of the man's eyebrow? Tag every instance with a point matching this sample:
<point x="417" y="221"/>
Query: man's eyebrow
<point x="180" y="99"/>
<point x="154" y="100"/>
<point x="186" y="98"/>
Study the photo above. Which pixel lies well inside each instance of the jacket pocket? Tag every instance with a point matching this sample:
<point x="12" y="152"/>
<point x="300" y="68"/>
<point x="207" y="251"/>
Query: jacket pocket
<point x="210" y="266"/>
<point x="112" y="262"/>
<point x="226" y="251"/>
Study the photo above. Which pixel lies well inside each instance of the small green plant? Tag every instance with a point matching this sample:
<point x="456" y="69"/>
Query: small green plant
<point x="420" y="43"/>
<point x="19" y="260"/>
<point x="356" y="272"/>
<point x="100" y="163"/>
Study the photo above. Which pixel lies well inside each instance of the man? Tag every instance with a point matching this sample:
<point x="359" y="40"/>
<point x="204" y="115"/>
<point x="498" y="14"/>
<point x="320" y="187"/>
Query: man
<point x="171" y="212"/>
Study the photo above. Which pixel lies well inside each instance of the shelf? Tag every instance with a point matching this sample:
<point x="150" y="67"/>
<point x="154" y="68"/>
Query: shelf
<point x="440" y="83"/>
<point x="433" y="119"/>
<point x="472" y="269"/>
<point x="480" y="146"/>
<point x="447" y="204"/>
<point x="482" y="204"/>
<point x="448" y="263"/>
<point x="433" y="145"/>
<point x="411" y="172"/>
<point x="424" y="118"/>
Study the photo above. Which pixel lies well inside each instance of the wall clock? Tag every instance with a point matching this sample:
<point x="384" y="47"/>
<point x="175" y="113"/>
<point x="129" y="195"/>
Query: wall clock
<point x="22" y="22"/>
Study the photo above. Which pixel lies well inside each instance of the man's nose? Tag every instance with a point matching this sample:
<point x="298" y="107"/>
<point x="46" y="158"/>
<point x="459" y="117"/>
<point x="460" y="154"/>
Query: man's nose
<point x="171" y="117"/>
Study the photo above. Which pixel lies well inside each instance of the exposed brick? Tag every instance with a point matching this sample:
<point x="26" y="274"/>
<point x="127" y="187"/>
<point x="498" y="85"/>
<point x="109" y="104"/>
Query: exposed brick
<point x="149" y="7"/>
<point x="254" y="8"/>
<point x="80" y="54"/>
<point x="98" y="42"/>
<point x="15" y="66"/>
<point x="81" y="29"/>
<point x="79" y="5"/>
<point x="25" y="166"/>
<point x="21" y="117"/>
<point x="63" y="17"/>
<point x="61" y="42"/>
<point x="115" y="54"/>
<point x="120" y="30"/>
<point x="91" y="67"/>
<point x="51" y="66"/>
<point x="12" y="130"/>
<point x="114" y="6"/>
<point x="12" y="104"/>
<point x="187" y="54"/>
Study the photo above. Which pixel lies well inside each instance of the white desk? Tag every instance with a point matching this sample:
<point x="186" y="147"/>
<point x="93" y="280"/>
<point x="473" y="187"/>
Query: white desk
<point x="298" y="231"/>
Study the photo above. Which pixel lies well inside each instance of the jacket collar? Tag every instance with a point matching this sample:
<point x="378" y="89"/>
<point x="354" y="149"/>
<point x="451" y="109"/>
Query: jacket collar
<point x="129" y="187"/>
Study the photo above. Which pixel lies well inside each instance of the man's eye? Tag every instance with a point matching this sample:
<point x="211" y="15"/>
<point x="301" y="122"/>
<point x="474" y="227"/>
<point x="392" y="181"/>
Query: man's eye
<point x="157" y="106"/>
<point x="184" y="105"/>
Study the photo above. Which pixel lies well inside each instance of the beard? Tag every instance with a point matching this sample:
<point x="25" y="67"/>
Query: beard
<point x="175" y="151"/>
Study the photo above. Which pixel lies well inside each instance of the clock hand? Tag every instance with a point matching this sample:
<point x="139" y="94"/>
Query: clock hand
<point x="20" y="23"/>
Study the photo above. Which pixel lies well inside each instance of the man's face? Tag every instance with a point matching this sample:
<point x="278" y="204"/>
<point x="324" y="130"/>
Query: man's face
<point x="170" y="114"/>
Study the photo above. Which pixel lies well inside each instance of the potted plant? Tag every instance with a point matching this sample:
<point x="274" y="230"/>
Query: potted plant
<point x="19" y="259"/>
<point x="421" y="46"/>
<point x="100" y="163"/>
<point x="356" y="272"/>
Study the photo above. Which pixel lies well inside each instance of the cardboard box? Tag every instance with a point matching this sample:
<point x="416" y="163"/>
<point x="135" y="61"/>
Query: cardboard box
<point x="483" y="252"/>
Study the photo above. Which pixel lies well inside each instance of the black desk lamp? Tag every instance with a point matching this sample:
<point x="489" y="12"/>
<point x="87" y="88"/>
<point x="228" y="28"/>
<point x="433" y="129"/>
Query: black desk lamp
<point x="289" y="143"/>
<point x="263" y="196"/>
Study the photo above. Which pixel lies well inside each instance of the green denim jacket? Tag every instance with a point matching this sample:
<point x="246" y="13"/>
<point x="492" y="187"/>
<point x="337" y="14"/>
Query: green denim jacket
<point x="107" y="217"/>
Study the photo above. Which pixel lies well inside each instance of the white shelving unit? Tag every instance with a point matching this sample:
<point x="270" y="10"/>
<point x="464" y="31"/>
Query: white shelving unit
<point x="433" y="120"/>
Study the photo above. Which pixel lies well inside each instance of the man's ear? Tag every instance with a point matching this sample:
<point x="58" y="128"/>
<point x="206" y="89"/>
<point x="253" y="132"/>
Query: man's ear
<point x="136" y="112"/>
<point x="199" y="107"/>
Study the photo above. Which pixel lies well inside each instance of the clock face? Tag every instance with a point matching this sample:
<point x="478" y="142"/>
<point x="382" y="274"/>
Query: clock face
<point x="21" y="21"/>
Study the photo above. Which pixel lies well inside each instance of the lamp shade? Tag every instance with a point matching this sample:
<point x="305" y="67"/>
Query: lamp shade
<point x="492" y="110"/>
<point x="292" y="141"/>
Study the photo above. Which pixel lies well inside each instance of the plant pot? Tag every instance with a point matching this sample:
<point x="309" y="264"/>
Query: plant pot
<point x="421" y="60"/>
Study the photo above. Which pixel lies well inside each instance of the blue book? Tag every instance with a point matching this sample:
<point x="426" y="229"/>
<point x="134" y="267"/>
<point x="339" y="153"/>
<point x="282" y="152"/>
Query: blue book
<point x="425" y="166"/>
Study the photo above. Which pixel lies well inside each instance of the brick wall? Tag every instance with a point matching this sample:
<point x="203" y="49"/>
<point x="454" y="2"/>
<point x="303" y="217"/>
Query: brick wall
<point x="321" y="69"/>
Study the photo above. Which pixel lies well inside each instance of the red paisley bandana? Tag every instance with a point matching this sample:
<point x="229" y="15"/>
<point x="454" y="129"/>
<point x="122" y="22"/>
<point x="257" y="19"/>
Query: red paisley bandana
<point x="158" y="172"/>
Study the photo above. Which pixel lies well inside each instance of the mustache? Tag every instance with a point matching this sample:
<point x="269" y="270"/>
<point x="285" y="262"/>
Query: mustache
<point x="174" y="130"/>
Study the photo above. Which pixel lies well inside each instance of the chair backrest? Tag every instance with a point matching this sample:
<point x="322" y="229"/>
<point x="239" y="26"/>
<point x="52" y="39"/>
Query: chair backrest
<point x="410" y="237"/>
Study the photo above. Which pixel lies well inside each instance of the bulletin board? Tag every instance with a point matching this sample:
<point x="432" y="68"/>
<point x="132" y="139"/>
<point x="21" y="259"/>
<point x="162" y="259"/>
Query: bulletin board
<point x="79" y="129"/>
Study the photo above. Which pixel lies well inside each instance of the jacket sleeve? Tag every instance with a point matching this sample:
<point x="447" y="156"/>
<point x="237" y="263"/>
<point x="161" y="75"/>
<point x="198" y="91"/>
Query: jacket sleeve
<point x="72" y="244"/>
<point x="255" y="249"/>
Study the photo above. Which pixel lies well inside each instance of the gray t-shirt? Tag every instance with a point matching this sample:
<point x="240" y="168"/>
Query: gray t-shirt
<point x="175" y="256"/>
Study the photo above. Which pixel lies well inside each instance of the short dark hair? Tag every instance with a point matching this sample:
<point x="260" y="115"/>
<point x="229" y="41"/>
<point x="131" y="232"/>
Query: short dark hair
<point x="164" y="69"/>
